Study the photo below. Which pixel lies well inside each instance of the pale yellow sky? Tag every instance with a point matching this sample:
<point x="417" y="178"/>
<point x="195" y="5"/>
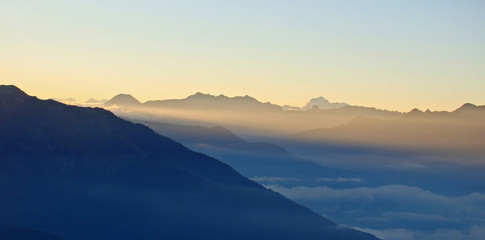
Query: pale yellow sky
<point x="386" y="54"/>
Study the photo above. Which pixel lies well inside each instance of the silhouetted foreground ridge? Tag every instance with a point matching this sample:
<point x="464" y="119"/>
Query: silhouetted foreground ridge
<point x="83" y="173"/>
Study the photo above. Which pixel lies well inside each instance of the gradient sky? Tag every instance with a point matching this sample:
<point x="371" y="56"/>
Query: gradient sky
<point x="388" y="54"/>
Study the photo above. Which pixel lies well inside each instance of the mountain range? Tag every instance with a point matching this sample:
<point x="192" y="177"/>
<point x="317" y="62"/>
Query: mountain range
<point x="217" y="138"/>
<point x="201" y="100"/>
<point x="243" y="114"/>
<point x="84" y="173"/>
<point x="252" y="159"/>
<point x="460" y="131"/>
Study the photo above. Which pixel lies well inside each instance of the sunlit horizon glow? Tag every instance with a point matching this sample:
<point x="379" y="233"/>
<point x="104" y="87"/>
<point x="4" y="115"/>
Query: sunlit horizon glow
<point x="395" y="55"/>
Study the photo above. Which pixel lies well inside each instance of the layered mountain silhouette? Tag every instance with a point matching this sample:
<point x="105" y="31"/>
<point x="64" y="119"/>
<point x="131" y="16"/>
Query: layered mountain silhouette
<point x="253" y="159"/>
<point x="84" y="173"/>
<point x="467" y="112"/>
<point x="27" y="234"/>
<point x="243" y="114"/>
<point x="217" y="138"/>
<point x="462" y="130"/>
<point x="221" y="102"/>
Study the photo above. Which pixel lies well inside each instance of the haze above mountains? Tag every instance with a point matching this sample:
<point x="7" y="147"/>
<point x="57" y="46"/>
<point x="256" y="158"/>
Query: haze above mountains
<point x="244" y="114"/>
<point x="127" y="100"/>
<point x="318" y="121"/>
<point x="319" y="103"/>
<point x="314" y="103"/>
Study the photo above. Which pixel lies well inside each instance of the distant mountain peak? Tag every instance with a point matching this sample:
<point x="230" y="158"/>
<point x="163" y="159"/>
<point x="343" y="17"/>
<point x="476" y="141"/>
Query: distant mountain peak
<point x="415" y="112"/>
<point x="322" y="103"/>
<point x="123" y="100"/>
<point x="200" y="95"/>
<point x="203" y="96"/>
<point x="10" y="94"/>
<point x="320" y="99"/>
<point x="208" y="97"/>
<point x="246" y="98"/>
<point x="466" y="106"/>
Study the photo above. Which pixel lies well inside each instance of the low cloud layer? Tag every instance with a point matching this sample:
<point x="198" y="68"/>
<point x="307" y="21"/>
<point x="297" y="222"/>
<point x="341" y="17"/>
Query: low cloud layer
<point x="473" y="233"/>
<point x="391" y="206"/>
<point x="340" y="180"/>
<point x="274" y="179"/>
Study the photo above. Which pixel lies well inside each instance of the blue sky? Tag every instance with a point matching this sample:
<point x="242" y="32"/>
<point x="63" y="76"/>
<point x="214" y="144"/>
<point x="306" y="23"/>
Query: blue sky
<point x="388" y="54"/>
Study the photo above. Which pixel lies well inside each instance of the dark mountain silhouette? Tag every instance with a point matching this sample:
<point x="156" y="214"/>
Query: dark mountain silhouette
<point x="11" y="95"/>
<point x="251" y="159"/>
<point x="27" y="234"/>
<point x="125" y="100"/>
<point x="84" y="173"/>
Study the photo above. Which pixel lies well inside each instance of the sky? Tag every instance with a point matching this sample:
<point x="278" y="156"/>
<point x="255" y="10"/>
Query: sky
<point x="388" y="54"/>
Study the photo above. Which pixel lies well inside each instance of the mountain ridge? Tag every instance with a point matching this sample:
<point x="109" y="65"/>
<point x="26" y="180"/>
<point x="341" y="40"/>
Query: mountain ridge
<point x="122" y="100"/>
<point x="72" y="168"/>
<point x="308" y="106"/>
<point x="216" y="137"/>
<point x="459" y="131"/>
<point x="12" y="95"/>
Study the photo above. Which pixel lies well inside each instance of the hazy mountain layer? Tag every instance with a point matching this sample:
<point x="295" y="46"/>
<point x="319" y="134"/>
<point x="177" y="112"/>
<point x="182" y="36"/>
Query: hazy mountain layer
<point x="461" y="131"/>
<point x="245" y="115"/>
<point x="216" y="138"/>
<point x="260" y="160"/>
